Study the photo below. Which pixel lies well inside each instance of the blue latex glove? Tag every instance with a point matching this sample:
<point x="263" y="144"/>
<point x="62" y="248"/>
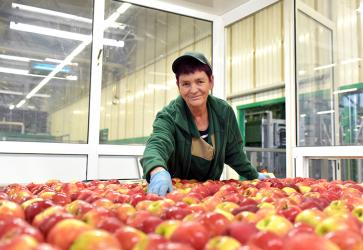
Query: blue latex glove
<point x="160" y="183"/>
<point x="262" y="176"/>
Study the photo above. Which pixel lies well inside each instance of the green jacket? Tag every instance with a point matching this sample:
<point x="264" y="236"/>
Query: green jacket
<point x="170" y="144"/>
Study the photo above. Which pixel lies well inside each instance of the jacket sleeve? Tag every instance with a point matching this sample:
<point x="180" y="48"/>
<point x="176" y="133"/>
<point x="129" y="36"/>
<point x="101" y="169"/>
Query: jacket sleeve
<point x="235" y="154"/>
<point x="160" y="144"/>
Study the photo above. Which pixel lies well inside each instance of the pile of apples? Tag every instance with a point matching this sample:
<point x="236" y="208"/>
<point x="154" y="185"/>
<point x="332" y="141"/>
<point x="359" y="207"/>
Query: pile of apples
<point x="277" y="214"/>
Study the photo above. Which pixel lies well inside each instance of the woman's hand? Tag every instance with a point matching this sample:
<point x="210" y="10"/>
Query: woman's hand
<point x="160" y="182"/>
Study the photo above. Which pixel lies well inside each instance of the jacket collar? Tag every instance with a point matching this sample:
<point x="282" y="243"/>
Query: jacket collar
<point x="181" y="117"/>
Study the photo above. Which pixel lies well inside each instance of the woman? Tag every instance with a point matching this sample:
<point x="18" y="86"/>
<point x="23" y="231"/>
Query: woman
<point x="196" y="134"/>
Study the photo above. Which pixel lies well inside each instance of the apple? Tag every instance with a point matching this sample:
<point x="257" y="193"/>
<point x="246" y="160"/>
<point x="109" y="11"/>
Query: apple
<point x="47" y="224"/>
<point x="300" y="227"/>
<point x="38" y="219"/>
<point x="308" y="241"/>
<point x="167" y="228"/>
<point x="137" y="219"/>
<point x="103" y="202"/>
<point x="116" y="197"/>
<point x="337" y="207"/>
<point x="310" y="216"/>
<point x="266" y="240"/>
<point x="34" y="208"/>
<point x="336" y="223"/>
<point x="227" y="206"/>
<point x="95" y="240"/>
<point x="66" y="231"/>
<point x="19" y="242"/>
<point x="95" y="214"/>
<point x="150" y="223"/>
<point x="151" y="242"/>
<point x="21" y="196"/>
<point x="222" y="243"/>
<point x="10" y="208"/>
<point x="175" y="212"/>
<point x="11" y="227"/>
<point x="124" y="211"/>
<point x="241" y="231"/>
<point x="128" y="237"/>
<point x="78" y="208"/>
<point x="246" y="216"/>
<point x="174" y="246"/>
<point x="275" y="223"/>
<point x="215" y="223"/>
<point x="290" y="212"/>
<point x="157" y="207"/>
<point x="346" y="240"/>
<point x="192" y="233"/>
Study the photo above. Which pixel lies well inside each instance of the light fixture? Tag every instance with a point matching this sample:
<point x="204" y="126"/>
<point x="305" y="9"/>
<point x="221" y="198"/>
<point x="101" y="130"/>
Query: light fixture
<point x="325" y="66"/>
<point x="352" y="60"/>
<point x="11" y="106"/>
<point x="325" y="112"/>
<point x="344" y="91"/>
<point x="17" y="58"/>
<point x="61" y="33"/>
<point x="26" y="73"/>
<point x="9" y="92"/>
<point x="50" y="12"/>
<point x="111" y="19"/>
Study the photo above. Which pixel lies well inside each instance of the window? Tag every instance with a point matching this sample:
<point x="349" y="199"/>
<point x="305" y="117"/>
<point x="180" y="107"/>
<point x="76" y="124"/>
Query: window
<point x="45" y="70"/>
<point x="137" y="78"/>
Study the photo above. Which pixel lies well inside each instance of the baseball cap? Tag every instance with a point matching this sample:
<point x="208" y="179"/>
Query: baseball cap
<point x="188" y="55"/>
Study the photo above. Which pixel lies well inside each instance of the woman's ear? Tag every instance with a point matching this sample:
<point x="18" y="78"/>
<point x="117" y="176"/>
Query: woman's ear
<point x="211" y="82"/>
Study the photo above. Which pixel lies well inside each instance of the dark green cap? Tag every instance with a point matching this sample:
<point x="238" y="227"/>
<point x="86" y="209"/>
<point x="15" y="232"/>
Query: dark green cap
<point x="188" y="55"/>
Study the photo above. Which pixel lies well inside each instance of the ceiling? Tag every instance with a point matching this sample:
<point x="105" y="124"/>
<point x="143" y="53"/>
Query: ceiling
<point x="216" y="7"/>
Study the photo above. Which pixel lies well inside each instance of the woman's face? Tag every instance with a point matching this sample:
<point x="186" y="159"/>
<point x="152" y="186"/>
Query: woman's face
<point x="194" y="88"/>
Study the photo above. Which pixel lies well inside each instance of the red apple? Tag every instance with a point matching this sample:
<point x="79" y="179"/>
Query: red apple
<point x="65" y="232"/>
<point x="167" y="228"/>
<point x="128" y="237"/>
<point x="267" y="240"/>
<point x="78" y="208"/>
<point x="308" y="241"/>
<point x="346" y="240"/>
<point x="151" y="242"/>
<point x="10" y="208"/>
<point x="19" y="242"/>
<point x="241" y="231"/>
<point x="192" y="233"/>
<point x="95" y="240"/>
<point x="215" y="223"/>
<point x="35" y="206"/>
<point x="124" y="211"/>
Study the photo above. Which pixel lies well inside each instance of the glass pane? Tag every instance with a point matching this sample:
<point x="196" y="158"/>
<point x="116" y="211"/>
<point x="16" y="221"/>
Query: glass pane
<point x="352" y="169"/>
<point x="45" y="70"/>
<point x="322" y="169"/>
<point x="137" y="77"/>
<point x="270" y="161"/>
<point x="314" y="62"/>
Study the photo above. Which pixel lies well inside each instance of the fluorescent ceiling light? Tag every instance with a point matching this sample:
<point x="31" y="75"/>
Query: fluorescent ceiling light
<point x="47" y="31"/>
<point x="75" y="52"/>
<point x="9" y="92"/>
<point x="344" y="91"/>
<point x="58" y="61"/>
<point x="325" y="66"/>
<point x="302" y="115"/>
<point x="325" y="112"/>
<point x="61" y="33"/>
<point x="50" y="12"/>
<point x="11" y="106"/>
<point x="21" y="103"/>
<point x="115" y="25"/>
<point x="26" y="73"/>
<point x="17" y="58"/>
<point x="352" y="60"/>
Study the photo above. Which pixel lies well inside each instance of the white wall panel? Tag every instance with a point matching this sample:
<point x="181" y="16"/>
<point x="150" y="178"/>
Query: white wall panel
<point x="118" y="167"/>
<point x="25" y="168"/>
